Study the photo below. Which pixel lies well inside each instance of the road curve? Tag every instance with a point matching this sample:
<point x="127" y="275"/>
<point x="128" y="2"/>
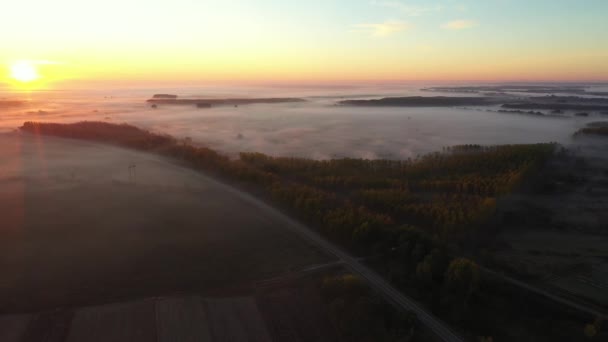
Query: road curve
<point x="396" y="298"/>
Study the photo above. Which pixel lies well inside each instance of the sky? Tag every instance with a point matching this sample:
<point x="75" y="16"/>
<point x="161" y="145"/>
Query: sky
<point x="309" y="41"/>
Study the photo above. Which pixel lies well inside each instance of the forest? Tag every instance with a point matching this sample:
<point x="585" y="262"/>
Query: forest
<point x="408" y="215"/>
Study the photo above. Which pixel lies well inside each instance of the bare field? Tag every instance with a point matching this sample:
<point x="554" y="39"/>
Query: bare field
<point x="561" y="237"/>
<point x="182" y="320"/>
<point x="131" y="322"/>
<point x="166" y="319"/>
<point x="296" y="313"/>
<point x="13" y="327"/>
<point x="235" y="320"/>
<point x="86" y="223"/>
<point x="572" y="262"/>
<point x="557" y="252"/>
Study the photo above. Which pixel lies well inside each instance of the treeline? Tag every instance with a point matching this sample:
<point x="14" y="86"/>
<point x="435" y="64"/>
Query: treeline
<point x="119" y="134"/>
<point x="136" y="138"/>
<point x="597" y="130"/>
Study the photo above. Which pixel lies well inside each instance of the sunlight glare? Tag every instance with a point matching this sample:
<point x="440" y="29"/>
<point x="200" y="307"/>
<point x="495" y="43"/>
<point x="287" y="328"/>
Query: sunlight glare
<point x="24" y="71"/>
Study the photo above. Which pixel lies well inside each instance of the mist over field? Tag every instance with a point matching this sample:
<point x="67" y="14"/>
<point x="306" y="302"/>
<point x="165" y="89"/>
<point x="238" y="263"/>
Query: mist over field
<point x="95" y="223"/>
<point x="317" y="128"/>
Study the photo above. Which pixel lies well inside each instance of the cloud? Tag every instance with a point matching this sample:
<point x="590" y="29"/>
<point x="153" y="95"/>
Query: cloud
<point x="459" y="24"/>
<point x="409" y="10"/>
<point x="384" y="29"/>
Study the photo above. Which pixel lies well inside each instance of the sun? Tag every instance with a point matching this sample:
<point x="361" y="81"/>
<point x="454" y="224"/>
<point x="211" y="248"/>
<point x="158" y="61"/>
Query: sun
<point x="24" y="71"/>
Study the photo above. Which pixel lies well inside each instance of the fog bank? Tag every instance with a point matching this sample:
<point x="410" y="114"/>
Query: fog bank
<point x="317" y="128"/>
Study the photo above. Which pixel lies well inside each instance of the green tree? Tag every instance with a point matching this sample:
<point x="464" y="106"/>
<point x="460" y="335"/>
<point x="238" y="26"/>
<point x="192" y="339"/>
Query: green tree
<point x="590" y="330"/>
<point x="424" y="272"/>
<point x="461" y="282"/>
<point x="462" y="277"/>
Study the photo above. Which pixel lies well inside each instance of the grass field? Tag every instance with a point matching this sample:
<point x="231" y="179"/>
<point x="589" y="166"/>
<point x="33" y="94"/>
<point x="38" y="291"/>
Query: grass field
<point x="86" y="223"/>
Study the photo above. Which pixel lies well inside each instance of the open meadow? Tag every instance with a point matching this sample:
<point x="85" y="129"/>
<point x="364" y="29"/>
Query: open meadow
<point x="86" y="223"/>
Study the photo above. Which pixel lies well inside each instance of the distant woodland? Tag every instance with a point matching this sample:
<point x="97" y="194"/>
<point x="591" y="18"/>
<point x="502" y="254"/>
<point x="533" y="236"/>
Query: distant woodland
<point x="593" y="131"/>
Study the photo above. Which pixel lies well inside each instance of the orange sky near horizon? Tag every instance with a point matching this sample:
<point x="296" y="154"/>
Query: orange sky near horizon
<point x="75" y="44"/>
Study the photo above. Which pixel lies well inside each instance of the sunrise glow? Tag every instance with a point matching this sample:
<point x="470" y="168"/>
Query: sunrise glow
<point x="318" y="41"/>
<point x="24" y="71"/>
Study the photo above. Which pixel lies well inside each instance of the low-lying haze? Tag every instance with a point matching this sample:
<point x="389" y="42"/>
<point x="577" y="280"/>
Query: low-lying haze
<point x="317" y="128"/>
